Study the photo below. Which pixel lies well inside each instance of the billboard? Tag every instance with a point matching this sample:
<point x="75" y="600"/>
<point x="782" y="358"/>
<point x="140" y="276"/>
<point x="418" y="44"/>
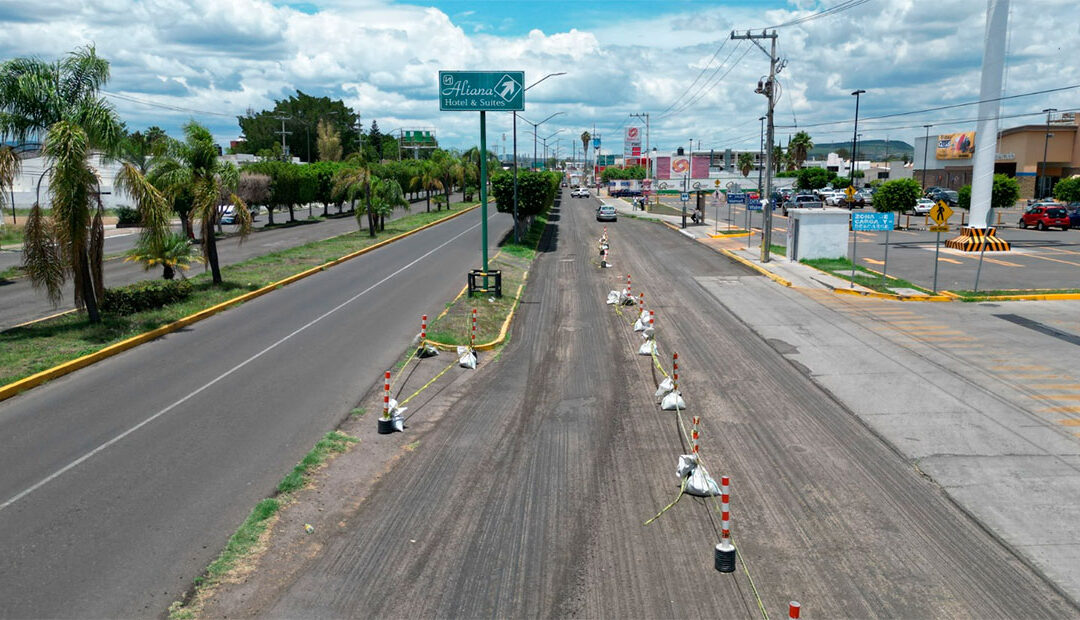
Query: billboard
<point x="956" y="145"/>
<point x="680" y="166"/>
<point x="500" y="91"/>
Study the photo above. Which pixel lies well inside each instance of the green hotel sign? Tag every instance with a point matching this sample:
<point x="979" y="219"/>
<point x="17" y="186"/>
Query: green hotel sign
<point x="491" y="91"/>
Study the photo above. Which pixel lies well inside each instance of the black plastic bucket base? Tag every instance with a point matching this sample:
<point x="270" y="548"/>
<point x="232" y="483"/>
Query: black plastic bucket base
<point x="725" y="559"/>
<point x="386" y="426"/>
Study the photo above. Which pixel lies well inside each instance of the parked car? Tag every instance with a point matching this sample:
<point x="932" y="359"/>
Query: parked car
<point x="831" y="198"/>
<point x="1074" y="214"/>
<point x="606" y="213"/>
<point x="950" y="197"/>
<point x="802" y="201"/>
<point x="1044" y="217"/>
<point x="227" y="214"/>
<point x="933" y="189"/>
<point x="923" y="206"/>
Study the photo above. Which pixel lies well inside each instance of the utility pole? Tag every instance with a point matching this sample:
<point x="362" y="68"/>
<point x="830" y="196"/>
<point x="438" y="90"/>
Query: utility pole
<point x="761" y="152"/>
<point x="284" y="149"/>
<point x="1040" y="190"/>
<point x="648" y="165"/>
<point x="766" y="87"/>
<point x="926" y="145"/>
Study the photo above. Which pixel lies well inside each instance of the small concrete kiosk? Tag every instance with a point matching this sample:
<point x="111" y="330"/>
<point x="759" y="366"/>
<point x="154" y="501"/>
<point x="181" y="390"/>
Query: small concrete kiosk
<point x="817" y="233"/>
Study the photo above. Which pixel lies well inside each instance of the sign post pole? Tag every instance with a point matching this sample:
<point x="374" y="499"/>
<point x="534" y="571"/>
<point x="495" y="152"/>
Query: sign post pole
<point x="854" y="254"/>
<point x="885" y="267"/>
<point x="483" y="191"/>
<point x="937" y="250"/>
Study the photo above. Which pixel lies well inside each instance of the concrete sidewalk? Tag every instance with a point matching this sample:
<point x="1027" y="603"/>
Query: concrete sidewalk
<point x="779" y="268"/>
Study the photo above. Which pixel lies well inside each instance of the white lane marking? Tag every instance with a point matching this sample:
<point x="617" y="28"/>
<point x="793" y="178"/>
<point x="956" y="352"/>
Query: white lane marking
<point x="56" y="474"/>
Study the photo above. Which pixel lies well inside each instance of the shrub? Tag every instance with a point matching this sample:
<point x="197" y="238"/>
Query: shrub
<point x="146" y="295"/>
<point x="126" y="217"/>
<point x="1068" y="190"/>
<point x="1003" y="194"/>
<point x="897" y="195"/>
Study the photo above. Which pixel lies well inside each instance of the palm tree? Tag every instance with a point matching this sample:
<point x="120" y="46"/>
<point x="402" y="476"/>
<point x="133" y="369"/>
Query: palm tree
<point x="800" y="145"/>
<point x="192" y="166"/>
<point x="470" y="176"/>
<point x="746" y="163"/>
<point x="450" y="172"/>
<point x="153" y="207"/>
<point x="778" y="157"/>
<point x="386" y="195"/>
<point x="10" y="166"/>
<point x="351" y="182"/>
<point x="173" y="253"/>
<point x="427" y="179"/>
<point x="61" y="101"/>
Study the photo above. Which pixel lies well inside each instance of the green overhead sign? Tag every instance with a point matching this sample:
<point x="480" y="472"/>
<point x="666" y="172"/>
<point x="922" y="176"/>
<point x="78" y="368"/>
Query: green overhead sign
<point x="492" y="91"/>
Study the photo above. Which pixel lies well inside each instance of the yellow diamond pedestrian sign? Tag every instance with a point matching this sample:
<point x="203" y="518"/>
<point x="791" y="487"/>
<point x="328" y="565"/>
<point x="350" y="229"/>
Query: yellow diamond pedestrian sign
<point x="850" y="191"/>
<point x="941" y="213"/>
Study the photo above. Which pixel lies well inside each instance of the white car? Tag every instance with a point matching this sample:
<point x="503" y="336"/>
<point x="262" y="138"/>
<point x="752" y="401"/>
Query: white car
<point x="580" y="192"/>
<point x="923" y="206"/>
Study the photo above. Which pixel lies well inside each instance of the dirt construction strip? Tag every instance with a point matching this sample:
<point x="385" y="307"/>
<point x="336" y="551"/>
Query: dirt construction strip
<point x="528" y="496"/>
<point x="11" y="389"/>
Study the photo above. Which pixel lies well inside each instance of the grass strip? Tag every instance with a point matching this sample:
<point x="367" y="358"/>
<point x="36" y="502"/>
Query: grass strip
<point x="247" y="536"/>
<point x="454" y="327"/>
<point x="27" y="350"/>
<point x="778" y="249"/>
<point x="841" y="268"/>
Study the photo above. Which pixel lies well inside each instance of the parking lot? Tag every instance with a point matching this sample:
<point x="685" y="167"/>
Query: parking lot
<point x="1038" y="259"/>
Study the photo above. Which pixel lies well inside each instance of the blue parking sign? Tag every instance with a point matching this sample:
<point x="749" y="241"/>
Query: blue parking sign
<point x="872" y="221"/>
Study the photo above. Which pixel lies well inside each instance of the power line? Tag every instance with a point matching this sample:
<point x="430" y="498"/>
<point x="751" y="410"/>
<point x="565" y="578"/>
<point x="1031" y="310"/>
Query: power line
<point x="700" y="73"/>
<point x="839" y="8"/>
<point x="944" y="107"/>
<point x="706" y="86"/>
<point x="163" y="106"/>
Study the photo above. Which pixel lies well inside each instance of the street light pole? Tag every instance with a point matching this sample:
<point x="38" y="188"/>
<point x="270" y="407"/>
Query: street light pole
<point x="1041" y="190"/>
<point x="926" y="145"/>
<point x="854" y="139"/>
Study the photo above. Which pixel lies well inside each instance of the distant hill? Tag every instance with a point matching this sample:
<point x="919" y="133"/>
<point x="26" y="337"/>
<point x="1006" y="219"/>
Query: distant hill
<point x="870" y="149"/>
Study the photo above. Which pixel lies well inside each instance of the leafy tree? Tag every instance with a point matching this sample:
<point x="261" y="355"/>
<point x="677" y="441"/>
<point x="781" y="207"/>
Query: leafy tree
<point x="612" y="173"/>
<point x="897" y="195"/>
<point x="375" y="140"/>
<point x="304" y="112"/>
<point x="813" y="178"/>
<point x="745" y="163"/>
<point x="536" y="191"/>
<point x="193" y="165"/>
<point x="1068" y="190"/>
<point x="253" y="188"/>
<point x="843" y="153"/>
<point x="799" y="147"/>
<point x="328" y="143"/>
<point x="1004" y="193"/>
<point x="61" y="101"/>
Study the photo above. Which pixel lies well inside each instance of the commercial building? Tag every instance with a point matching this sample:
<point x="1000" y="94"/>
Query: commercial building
<point x="1020" y="154"/>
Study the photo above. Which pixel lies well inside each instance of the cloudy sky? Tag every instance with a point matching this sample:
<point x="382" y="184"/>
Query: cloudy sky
<point x="211" y="60"/>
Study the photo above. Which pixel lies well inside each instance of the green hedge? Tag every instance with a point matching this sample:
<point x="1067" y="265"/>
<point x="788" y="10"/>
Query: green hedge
<point x="146" y="295"/>
<point x="126" y="217"/>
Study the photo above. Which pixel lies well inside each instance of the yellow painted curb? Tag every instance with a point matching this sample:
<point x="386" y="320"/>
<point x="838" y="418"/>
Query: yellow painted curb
<point x="892" y="296"/>
<point x="763" y="271"/>
<point x="729" y="235"/>
<point x="1032" y="297"/>
<point x="487" y="346"/>
<point x="34" y="380"/>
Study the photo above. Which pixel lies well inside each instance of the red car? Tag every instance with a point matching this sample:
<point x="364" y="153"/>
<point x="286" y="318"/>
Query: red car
<point x="1043" y="217"/>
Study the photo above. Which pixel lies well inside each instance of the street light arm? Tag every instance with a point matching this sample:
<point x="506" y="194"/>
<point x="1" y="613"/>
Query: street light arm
<point x="544" y="78"/>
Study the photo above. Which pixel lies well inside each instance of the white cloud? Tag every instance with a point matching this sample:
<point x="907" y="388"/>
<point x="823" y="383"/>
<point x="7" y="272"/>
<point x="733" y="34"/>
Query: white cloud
<point x="381" y="58"/>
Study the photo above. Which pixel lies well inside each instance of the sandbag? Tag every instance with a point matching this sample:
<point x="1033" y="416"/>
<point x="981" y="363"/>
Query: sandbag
<point x="647" y="348"/>
<point x="648" y="332"/>
<point x="698" y="480"/>
<point x="613" y="298"/>
<point x="466" y="358"/>
<point x="672" y="401"/>
<point x="427" y="351"/>
<point x="397" y="414"/>
<point x="665" y="386"/>
<point x="640" y="325"/>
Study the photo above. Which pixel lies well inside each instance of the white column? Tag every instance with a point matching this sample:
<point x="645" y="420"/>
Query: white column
<point x="993" y="69"/>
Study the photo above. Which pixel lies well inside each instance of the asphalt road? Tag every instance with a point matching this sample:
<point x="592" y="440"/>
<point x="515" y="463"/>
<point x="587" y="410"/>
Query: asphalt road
<point x="20" y="302"/>
<point x="528" y="497"/>
<point x="120" y="482"/>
